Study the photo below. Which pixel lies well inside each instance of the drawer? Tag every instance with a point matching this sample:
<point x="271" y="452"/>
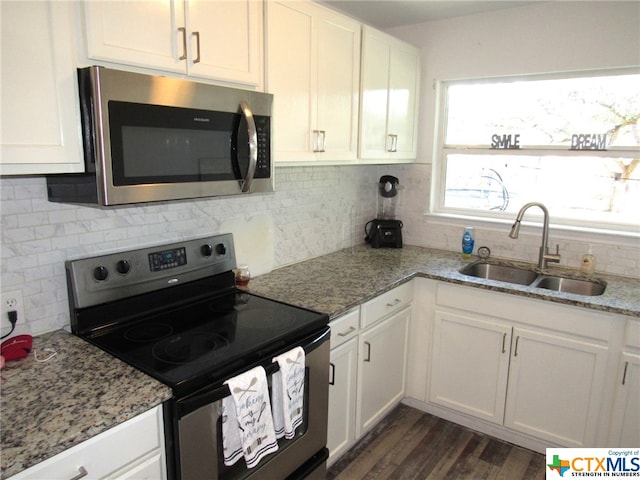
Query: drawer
<point x="345" y="327"/>
<point x="386" y="304"/>
<point x="107" y="452"/>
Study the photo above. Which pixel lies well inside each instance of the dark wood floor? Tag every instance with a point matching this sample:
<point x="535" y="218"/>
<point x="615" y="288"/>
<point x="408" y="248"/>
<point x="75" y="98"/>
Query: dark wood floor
<point x="410" y="444"/>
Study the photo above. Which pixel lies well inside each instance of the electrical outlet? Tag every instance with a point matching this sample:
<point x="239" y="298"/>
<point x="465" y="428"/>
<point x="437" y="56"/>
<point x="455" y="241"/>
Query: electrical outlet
<point x="10" y="301"/>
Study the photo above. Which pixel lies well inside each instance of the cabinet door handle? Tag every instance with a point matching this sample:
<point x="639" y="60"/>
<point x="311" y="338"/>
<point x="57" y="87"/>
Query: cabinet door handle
<point x="183" y="30"/>
<point x="394" y="303"/>
<point x="624" y="374"/>
<point x="197" y="35"/>
<point x="515" y="353"/>
<point x="82" y="472"/>
<point x="320" y="141"/>
<point x="504" y="340"/>
<point x="394" y="143"/>
<point x="344" y="334"/>
<point x="333" y="374"/>
<point x="368" y="359"/>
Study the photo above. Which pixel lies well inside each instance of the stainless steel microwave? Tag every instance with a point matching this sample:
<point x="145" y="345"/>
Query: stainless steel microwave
<point x="151" y="138"/>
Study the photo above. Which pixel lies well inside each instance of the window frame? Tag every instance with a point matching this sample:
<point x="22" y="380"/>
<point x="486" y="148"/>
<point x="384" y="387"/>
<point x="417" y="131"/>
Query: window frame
<point x="441" y="150"/>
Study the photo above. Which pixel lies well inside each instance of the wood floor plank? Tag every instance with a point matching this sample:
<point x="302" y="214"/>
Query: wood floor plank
<point x="412" y="445"/>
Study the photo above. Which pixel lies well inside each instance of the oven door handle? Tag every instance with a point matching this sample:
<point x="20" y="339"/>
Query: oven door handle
<point x="199" y="399"/>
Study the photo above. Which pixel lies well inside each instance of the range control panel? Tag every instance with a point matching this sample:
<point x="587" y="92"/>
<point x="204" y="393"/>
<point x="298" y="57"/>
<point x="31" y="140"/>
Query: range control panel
<point x="104" y="278"/>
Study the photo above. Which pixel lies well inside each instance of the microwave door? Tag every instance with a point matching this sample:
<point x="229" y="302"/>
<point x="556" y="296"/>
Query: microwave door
<point x="251" y="140"/>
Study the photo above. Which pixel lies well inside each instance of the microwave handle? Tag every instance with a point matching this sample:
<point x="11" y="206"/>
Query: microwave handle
<point x="253" y="145"/>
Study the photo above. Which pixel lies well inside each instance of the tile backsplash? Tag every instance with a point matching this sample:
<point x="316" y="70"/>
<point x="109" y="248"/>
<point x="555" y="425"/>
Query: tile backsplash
<point x="315" y="211"/>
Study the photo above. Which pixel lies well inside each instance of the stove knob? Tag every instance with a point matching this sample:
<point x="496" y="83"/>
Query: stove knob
<point x="100" y="273"/>
<point x="123" y="267"/>
<point x="206" y="250"/>
<point x="221" y="249"/>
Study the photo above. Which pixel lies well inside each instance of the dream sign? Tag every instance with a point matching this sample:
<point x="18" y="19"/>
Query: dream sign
<point x="589" y="141"/>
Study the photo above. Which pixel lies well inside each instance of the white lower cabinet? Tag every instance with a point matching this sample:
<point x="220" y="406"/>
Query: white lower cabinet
<point x="625" y="421"/>
<point x="342" y="383"/>
<point x="341" y="433"/>
<point x="367" y="374"/>
<point x="381" y="369"/>
<point x="536" y="368"/>
<point x="555" y="387"/>
<point x="131" y="450"/>
<point x="470" y="364"/>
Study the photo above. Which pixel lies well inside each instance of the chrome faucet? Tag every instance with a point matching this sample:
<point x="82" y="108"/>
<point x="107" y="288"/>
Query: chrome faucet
<point x="544" y="256"/>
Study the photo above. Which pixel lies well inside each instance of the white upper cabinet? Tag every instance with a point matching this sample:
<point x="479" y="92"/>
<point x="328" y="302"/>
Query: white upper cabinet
<point x="313" y="58"/>
<point x="219" y="40"/>
<point x="40" y="115"/>
<point x="389" y="98"/>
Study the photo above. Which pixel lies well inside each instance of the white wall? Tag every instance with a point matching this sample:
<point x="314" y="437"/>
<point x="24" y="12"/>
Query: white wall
<point x="556" y="36"/>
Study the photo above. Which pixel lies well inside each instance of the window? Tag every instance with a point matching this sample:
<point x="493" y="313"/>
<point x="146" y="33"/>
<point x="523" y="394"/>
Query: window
<point x="570" y="143"/>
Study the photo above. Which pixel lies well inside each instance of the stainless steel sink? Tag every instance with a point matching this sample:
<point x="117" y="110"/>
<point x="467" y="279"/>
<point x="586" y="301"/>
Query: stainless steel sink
<point x="502" y="273"/>
<point x="571" y="285"/>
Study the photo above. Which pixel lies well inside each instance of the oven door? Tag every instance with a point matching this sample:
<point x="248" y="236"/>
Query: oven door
<point x="198" y="439"/>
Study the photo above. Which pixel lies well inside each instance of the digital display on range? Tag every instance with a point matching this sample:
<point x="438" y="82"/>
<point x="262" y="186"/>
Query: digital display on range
<point x="167" y="259"/>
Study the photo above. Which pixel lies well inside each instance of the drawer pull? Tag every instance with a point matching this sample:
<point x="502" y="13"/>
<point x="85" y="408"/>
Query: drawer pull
<point x="368" y="359"/>
<point x="344" y="334"/>
<point x="515" y="353"/>
<point x="333" y="374"/>
<point x="504" y="339"/>
<point x="394" y="303"/>
<point x="624" y="374"/>
<point x="82" y="472"/>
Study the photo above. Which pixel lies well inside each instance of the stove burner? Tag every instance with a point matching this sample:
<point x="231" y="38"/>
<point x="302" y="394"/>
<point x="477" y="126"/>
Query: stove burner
<point x="189" y="347"/>
<point x="148" y="332"/>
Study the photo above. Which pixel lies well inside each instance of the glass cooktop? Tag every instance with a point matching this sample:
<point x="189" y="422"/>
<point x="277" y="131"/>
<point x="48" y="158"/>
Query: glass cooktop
<point x="210" y="340"/>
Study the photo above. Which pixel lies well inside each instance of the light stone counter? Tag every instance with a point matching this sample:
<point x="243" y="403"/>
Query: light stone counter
<point x="82" y="391"/>
<point x="336" y="282"/>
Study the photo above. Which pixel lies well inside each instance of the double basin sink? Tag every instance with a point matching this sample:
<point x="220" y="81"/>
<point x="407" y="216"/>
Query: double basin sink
<point x="528" y="276"/>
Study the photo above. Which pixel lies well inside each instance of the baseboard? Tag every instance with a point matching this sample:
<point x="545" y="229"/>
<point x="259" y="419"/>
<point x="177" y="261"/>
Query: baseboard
<point x="496" y="431"/>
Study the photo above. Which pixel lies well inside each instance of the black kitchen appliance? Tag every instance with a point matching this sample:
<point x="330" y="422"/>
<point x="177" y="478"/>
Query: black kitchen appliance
<point x="174" y="312"/>
<point x="385" y="231"/>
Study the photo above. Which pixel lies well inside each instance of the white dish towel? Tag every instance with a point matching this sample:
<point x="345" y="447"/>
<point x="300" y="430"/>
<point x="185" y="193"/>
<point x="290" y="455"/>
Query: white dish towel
<point x="247" y="424"/>
<point x="288" y="392"/>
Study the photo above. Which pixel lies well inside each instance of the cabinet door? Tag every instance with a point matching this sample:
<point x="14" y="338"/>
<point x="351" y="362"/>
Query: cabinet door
<point x="291" y="54"/>
<point x="374" y="94"/>
<point x="625" y="424"/>
<point x="404" y="74"/>
<point x="314" y="72"/>
<point x="342" y="398"/>
<point x="338" y="86"/>
<point x="382" y="369"/>
<point x="389" y="97"/>
<point x="40" y="116"/>
<point x="225" y="40"/>
<point x="555" y="387"/>
<point x="470" y="365"/>
<point x="142" y="33"/>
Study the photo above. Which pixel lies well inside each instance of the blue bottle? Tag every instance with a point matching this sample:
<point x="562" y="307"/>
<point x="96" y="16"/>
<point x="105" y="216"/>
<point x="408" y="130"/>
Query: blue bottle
<point x="467" y="242"/>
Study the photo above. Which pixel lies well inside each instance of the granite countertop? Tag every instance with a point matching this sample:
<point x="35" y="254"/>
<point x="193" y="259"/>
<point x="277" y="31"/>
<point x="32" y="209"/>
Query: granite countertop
<point x="336" y="282"/>
<point x="83" y="391"/>
<point x="80" y="392"/>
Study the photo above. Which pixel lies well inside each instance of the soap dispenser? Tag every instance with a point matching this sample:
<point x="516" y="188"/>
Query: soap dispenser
<point x="588" y="264"/>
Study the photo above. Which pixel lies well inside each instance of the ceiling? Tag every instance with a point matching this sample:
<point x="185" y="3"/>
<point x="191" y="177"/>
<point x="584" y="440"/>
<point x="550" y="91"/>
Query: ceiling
<point x="394" y="13"/>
